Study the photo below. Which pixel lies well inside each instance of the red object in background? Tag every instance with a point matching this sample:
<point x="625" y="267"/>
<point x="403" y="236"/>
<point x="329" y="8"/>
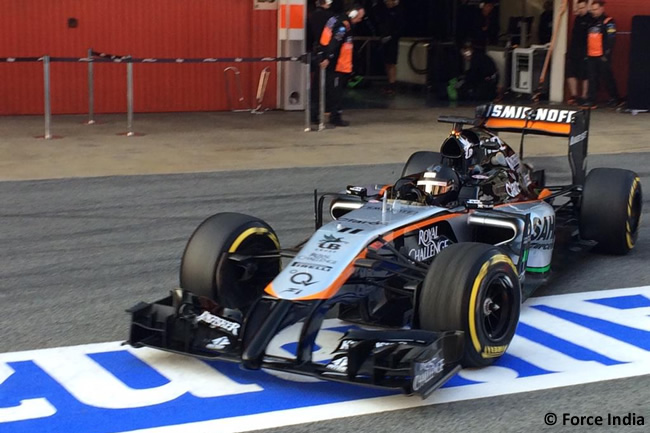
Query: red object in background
<point x="622" y="11"/>
<point x="142" y="29"/>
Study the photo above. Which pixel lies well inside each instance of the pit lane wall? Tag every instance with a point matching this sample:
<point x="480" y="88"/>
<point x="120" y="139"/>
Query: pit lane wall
<point x="143" y="28"/>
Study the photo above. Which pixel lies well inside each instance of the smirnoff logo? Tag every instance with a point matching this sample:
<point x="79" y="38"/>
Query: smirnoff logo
<point x="537" y="114"/>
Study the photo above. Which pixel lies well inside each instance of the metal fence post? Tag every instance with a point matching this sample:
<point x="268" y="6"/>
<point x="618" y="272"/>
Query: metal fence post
<point x="129" y="97"/>
<point x="91" y="89"/>
<point x="46" y="86"/>
<point x="323" y="73"/>
<point x="307" y="90"/>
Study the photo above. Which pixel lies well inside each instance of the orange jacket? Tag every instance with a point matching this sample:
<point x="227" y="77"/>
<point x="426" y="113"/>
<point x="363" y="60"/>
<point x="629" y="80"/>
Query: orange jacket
<point x="336" y="43"/>
<point x="601" y="36"/>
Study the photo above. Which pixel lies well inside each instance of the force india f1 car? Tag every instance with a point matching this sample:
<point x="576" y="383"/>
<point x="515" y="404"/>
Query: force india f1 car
<point x="433" y="269"/>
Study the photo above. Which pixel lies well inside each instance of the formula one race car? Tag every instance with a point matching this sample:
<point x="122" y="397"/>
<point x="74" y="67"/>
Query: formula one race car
<point x="433" y="268"/>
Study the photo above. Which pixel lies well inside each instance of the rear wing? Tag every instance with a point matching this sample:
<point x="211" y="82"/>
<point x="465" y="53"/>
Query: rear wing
<point x="555" y="122"/>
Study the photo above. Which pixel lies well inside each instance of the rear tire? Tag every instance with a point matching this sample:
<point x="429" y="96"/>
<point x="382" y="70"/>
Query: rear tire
<point x="419" y="162"/>
<point x="474" y="288"/>
<point x="610" y="209"/>
<point x="207" y="271"/>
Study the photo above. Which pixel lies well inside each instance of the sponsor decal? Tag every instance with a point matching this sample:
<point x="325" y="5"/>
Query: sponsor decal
<point x="312" y="266"/>
<point x="330" y="243"/>
<point x="340" y="365"/>
<point x="513" y="189"/>
<point x="265" y="4"/>
<point x="578" y="138"/>
<point x="381" y="344"/>
<point x="317" y="258"/>
<point x="362" y="222"/>
<point x="345" y="345"/>
<point x="424" y="372"/>
<point x="538" y="114"/>
<point x="218" y="343"/>
<point x="543" y="229"/>
<point x="429" y="244"/>
<point x="292" y="290"/>
<point x="513" y="161"/>
<point x="219" y="322"/>
<point x="394" y="208"/>
<point x="493" y="351"/>
<point x="304" y="278"/>
<point x="349" y="230"/>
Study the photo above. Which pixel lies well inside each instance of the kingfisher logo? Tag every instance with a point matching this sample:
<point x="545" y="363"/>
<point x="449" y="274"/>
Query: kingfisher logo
<point x="105" y="388"/>
<point x="515" y="112"/>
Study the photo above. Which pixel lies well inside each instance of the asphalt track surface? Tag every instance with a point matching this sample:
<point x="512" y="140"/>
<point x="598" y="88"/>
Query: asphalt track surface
<point x="78" y="252"/>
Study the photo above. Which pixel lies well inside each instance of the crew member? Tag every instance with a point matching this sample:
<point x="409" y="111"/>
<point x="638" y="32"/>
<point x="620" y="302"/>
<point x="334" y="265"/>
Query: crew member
<point x="335" y="54"/>
<point x="577" y="64"/>
<point x="315" y="24"/>
<point x="601" y="36"/>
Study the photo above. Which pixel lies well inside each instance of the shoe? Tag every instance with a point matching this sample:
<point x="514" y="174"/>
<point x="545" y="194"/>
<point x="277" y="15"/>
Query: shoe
<point x="589" y="105"/>
<point x="337" y="121"/>
<point x="572" y="101"/>
<point x="615" y="103"/>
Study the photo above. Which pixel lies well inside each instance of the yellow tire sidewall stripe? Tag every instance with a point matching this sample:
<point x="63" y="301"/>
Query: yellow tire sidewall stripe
<point x="498" y="258"/>
<point x="250" y="232"/>
<point x="630" y="201"/>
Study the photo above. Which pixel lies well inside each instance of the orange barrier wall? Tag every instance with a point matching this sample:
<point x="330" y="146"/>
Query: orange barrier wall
<point x="140" y="28"/>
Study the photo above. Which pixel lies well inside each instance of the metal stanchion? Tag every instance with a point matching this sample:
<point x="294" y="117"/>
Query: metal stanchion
<point x="129" y="100"/>
<point x="323" y="73"/>
<point x="46" y="81"/>
<point x="307" y="90"/>
<point x="47" y="106"/>
<point x="91" y="89"/>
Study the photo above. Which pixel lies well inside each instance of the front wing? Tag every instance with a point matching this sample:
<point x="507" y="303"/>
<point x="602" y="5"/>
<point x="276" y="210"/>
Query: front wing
<point x="412" y="361"/>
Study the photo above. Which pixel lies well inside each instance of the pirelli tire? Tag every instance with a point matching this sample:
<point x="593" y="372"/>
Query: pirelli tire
<point x="207" y="270"/>
<point x="419" y="161"/>
<point x="474" y="288"/>
<point x="610" y="209"/>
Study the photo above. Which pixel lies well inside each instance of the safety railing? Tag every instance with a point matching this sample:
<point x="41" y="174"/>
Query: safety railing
<point x="97" y="57"/>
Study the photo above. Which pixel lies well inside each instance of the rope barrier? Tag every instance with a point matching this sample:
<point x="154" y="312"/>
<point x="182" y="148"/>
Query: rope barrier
<point x="105" y="58"/>
<point x="98" y="57"/>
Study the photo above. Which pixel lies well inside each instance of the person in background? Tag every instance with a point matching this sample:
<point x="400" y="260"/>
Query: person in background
<point x="315" y="23"/>
<point x="545" y="30"/>
<point x="601" y="37"/>
<point x="577" y="59"/>
<point x="479" y="76"/>
<point x="335" y="55"/>
<point x="391" y="19"/>
<point x="488" y="25"/>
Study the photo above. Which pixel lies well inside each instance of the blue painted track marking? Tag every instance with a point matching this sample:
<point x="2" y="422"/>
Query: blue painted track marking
<point x="41" y="391"/>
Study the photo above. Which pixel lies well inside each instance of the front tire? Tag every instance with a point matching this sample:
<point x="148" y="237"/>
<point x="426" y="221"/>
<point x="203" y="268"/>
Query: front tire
<point x="610" y="209"/>
<point x="207" y="270"/>
<point x="474" y="288"/>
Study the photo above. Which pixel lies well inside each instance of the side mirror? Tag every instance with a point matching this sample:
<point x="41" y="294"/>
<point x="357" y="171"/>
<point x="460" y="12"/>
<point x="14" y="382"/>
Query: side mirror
<point x="357" y="190"/>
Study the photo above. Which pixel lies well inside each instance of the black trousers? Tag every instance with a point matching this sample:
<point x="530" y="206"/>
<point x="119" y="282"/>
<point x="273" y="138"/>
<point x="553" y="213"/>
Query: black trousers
<point x="315" y="91"/>
<point x="335" y="83"/>
<point x="597" y="69"/>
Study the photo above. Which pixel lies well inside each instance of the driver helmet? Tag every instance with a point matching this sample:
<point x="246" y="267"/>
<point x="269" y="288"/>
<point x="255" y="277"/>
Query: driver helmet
<point x="440" y="181"/>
